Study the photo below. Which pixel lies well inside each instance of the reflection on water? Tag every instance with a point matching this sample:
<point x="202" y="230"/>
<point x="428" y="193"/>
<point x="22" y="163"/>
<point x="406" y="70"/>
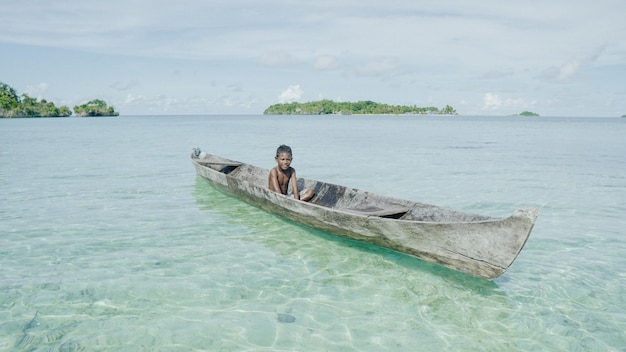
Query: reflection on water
<point x="289" y="239"/>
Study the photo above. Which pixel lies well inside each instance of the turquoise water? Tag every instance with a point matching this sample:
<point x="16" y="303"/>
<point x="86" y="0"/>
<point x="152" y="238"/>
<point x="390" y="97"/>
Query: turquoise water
<point x="109" y="241"/>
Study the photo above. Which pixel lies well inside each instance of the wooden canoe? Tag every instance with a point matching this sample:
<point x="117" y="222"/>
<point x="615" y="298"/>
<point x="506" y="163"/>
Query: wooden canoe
<point x="478" y="245"/>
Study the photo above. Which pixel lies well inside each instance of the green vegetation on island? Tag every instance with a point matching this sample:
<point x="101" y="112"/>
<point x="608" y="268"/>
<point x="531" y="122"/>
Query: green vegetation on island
<point x="13" y="105"/>
<point x="95" y="107"/>
<point x="528" y="113"/>
<point x="325" y="107"/>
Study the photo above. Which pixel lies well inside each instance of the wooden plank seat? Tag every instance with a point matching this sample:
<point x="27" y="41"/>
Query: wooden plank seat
<point x="393" y="211"/>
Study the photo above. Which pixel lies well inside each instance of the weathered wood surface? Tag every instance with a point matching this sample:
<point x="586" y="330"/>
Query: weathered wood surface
<point x="475" y="244"/>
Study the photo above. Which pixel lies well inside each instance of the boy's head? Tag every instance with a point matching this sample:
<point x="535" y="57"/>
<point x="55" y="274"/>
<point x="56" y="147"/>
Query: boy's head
<point x="283" y="149"/>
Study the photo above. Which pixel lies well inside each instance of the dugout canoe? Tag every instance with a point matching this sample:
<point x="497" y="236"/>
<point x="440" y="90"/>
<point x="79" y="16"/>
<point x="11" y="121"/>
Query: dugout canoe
<point x="478" y="245"/>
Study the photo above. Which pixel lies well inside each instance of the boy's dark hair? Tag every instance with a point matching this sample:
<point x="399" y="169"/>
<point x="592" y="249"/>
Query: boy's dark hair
<point x="283" y="149"/>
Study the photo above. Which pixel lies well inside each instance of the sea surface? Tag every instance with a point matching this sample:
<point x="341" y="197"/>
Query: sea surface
<point x="110" y="242"/>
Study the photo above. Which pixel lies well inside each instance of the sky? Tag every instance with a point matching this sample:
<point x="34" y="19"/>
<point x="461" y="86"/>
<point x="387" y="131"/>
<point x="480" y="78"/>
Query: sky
<point x="157" y="57"/>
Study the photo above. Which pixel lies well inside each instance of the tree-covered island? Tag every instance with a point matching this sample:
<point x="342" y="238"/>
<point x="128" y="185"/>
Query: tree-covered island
<point x="95" y="107"/>
<point x="528" y="113"/>
<point x="14" y="105"/>
<point x="325" y="107"/>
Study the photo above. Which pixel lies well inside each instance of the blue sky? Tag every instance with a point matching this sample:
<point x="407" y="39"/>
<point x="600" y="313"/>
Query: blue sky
<point x="487" y="57"/>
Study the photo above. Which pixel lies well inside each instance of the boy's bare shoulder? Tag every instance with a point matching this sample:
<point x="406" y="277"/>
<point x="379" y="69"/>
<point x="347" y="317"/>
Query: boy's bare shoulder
<point x="275" y="170"/>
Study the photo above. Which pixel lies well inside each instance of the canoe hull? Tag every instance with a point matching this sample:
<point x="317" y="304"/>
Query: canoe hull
<point x="483" y="248"/>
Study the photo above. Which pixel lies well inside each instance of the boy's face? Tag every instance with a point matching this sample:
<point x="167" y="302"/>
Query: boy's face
<point x="283" y="160"/>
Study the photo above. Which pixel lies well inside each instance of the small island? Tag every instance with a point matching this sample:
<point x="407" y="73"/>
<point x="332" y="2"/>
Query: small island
<point x="95" y="107"/>
<point x="13" y="105"/>
<point x="326" y="107"/>
<point x="528" y="113"/>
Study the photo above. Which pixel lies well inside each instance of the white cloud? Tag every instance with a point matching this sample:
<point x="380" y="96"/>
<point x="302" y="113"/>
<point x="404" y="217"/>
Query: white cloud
<point x="291" y="94"/>
<point x="563" y="72"/>
<point x="125" y="85"/>
<point x="377" y="67"/>
<point x="37" y="91"/>
<point x="496" y="74"/>
<point x="276" y="59"/>
<point x="132" y="99"/>
<point x="491" y="101"/>
<point x="326" y="62"/>
<point x="569" y="69"/>
<point x="140" y="104"/>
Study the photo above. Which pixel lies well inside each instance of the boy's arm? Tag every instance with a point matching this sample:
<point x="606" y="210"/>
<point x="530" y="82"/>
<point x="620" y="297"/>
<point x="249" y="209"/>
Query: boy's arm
<point x="294" y="182"/>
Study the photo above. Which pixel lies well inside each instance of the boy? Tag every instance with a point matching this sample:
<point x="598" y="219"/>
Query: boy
<point x="283" y="173"/>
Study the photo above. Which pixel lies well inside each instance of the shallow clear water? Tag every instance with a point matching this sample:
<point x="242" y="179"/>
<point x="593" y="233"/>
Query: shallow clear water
<point x="109" y="241"/>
